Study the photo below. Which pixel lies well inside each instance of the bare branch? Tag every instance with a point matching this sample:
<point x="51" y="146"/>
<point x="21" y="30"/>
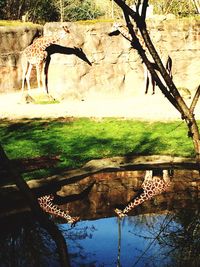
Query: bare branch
<point x="138" y="6"/>
<point x="170" y="91"/>
<point x="195" y="100"/>
<point x="136" y="44"/>
<point x="16" y="177"/>
<point x="144" y="9"/>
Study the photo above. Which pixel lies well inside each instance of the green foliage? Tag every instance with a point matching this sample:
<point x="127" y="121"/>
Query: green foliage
<point x="177" y="7"/>
<point x="81" y="10"/>
<point x="76" y="141"/>
<point x="42" y="11"/>
<point x="36" y="10"/>
<point x="2" y="6"/>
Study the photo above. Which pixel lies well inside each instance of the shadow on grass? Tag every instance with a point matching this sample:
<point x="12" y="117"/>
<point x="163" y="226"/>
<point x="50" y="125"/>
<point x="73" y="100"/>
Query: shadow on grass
<point x="74" y="141"/>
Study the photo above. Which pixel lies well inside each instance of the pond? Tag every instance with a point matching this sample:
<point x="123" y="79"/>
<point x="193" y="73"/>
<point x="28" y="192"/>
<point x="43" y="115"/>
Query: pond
<point x="162" y="232"/>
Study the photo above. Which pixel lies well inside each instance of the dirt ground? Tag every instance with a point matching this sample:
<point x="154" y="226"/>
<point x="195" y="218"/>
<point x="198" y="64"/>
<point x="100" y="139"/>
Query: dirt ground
<point x="143" y="107"/>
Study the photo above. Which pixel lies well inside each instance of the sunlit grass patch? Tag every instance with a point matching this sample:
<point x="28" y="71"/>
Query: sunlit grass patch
<point x="76" y="141"/>
<point x="15" y="23"/>
<point x="94" y="21"/>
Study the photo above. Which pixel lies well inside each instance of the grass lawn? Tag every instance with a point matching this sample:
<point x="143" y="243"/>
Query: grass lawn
<point x="15" y="23"/>
<point x="76" y="141"/>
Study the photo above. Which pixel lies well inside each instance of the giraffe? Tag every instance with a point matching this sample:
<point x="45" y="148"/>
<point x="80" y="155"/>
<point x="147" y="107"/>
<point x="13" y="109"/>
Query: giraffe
<point x="118" y="28"/>
<point x="35" y="55"/>
<point x="153" y="185"/>
<point x="47" y="205"/>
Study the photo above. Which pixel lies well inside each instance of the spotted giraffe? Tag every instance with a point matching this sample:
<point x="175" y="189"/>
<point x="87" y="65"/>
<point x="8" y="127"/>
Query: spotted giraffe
<point x="152" y="186"/>
<point x="121" y="29"/>
<point x="47" y="205"/>
<point x="35" y="55"/>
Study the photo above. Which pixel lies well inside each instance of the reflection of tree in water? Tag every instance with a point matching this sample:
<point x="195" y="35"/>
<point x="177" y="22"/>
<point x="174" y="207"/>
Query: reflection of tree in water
<point x="27" y="245"/>
<point x="184" y="238"/>
<point x="75" y="235"/>
<point x="178" y="237"/>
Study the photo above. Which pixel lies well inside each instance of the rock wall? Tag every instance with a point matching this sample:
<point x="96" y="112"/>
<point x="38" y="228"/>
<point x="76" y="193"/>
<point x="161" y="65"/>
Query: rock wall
<point x="112" y="190"/>
<point x="116" y="68"/>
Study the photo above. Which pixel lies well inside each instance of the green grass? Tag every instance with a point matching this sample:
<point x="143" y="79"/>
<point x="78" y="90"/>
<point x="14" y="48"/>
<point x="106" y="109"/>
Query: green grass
<point x="77" y="141"/>
<point x="15" y="23"/>
<point x="94" y="21"/>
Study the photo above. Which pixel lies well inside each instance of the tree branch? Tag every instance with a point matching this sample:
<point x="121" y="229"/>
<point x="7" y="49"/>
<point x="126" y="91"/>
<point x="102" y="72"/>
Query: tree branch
<point x="195" y="100"/>
<point x="15" y="177"/>
<point x="170" y="91"/>
<point x="136" y="44"/>
<point x="144" y="9"/>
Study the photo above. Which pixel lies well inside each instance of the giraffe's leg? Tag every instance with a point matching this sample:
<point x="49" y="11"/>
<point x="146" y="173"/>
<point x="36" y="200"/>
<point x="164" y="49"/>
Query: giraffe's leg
<point x="25" y="65"/>
<point x="38" y="71"/>
<point x="43" y="78"/>
<point x="169" y="66"/>
<point x="46" y="71"/>
<point x="167" y="179"/>
<point x="148" y="175"/>
<point x="28" y="76"/>
<point x="146" y="78"/>
<point x="153" y="85"/>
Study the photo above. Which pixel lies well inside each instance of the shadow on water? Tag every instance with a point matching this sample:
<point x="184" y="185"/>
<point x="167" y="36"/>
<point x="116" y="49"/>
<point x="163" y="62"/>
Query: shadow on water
<point x="164" y="231"/>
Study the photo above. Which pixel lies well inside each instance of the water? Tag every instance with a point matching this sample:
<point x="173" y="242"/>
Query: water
<point x="162" y="232"/>
<point x="146" y="240"/>
<point x="112" y="242"/>
<point x="170" y="239"/>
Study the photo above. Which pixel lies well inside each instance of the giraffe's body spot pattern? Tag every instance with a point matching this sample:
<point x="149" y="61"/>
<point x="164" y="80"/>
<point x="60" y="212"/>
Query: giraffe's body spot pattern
<point x="48" y="206"/>
<point x="151" y="188"/>
<point x="35" y="55"/>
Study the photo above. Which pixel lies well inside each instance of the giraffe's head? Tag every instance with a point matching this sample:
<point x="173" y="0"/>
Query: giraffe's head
<point x="64" y="32"/>
<point x="115" y="29"/>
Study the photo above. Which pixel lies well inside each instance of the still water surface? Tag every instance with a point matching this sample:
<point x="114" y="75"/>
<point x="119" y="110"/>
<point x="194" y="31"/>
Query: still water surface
<point x="170" y="239"/>
<point x="145" y="240"/>
<point x="163" y="232"/>
<point x="113" y="242"/>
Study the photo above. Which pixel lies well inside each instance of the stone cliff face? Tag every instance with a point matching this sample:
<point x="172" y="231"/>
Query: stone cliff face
<point x="116" y="68"/>
<point x="112" y="190"/>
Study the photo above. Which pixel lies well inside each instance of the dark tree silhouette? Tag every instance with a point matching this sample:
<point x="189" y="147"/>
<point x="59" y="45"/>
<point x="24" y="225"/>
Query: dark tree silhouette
<point x="168" y="88"/>
<point x="14" y="176"/>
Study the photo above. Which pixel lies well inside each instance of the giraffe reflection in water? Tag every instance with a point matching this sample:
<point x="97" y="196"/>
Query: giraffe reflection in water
<point x="47" y="205"/>
<point x="155" y="183"/>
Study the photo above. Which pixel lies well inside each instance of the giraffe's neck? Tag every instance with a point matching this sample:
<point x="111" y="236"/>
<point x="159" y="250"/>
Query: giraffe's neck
<point x="48" y="206"/>
<point x="37" y="48"/>
<point x="151" y="188"/>
<point x="45" y="41"/>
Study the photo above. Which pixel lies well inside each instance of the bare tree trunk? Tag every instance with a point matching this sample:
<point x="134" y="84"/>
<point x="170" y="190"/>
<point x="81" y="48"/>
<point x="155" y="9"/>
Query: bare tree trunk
<point x="61" y="10"/>
<point x="15" y="177"/>
<point x="169" y="90"/>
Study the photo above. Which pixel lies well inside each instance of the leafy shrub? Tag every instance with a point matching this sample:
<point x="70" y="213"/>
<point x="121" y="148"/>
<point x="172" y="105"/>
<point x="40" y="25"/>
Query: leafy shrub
<point x="83" y="11"/>
<point x="42" y="11"/>
<point x="177" y="7"/>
